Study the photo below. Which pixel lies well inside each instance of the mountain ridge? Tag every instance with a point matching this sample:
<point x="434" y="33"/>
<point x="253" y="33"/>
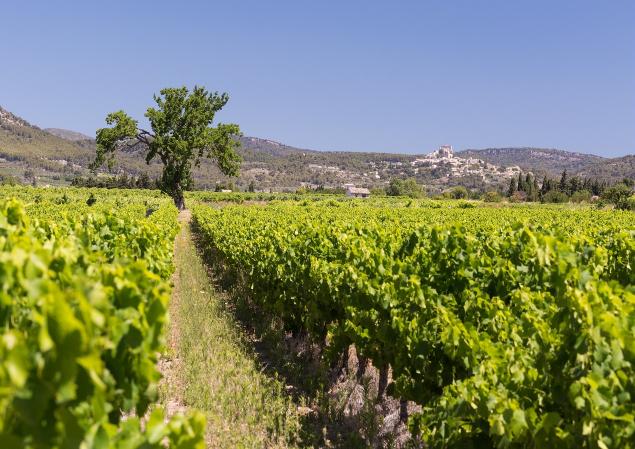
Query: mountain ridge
<point x="543" y="161"/>
<point x="58" y="155"/>
<point x="67" y="134"/>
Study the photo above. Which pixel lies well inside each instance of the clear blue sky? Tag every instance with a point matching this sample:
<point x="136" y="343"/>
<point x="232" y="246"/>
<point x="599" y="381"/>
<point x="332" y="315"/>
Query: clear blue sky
<point x="400" y="76"/>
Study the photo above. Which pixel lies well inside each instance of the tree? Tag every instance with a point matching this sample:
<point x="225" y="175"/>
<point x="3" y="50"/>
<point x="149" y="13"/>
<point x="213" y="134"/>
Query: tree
<point x="518" y="197"/>
<point x="581" y="196"/>
<point x="520" y="184"/>
<point x="555" y="196"/>
<point x="562" y="186"/>
<point x="513" y="187"/>
<point x="545" y="186"/>
<point x="620" y="195"/>
<point x="459" y="192"/>
<point x="575" y="184"/>
<point x="492" y="197"/>
<point x="181" y="136"/>
<point x="252" y="186"/>
<point x="404" y="187"/>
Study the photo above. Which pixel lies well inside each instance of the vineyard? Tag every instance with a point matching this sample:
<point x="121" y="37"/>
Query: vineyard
<point x="84" y="291"/>
<point x="511" y="327"/>
<point x="508" y="326"/>
<point x="317" y="225"/>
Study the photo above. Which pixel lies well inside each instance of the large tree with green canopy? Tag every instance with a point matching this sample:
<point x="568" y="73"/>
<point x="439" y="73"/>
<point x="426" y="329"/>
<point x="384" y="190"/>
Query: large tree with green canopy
<point x="182" y="134"/>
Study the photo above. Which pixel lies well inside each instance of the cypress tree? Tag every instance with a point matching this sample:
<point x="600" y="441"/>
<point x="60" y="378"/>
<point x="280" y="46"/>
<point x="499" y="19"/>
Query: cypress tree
<point x="563" y="181"/>
<point x="513" y="187"/>
<point x="545" y="186"/>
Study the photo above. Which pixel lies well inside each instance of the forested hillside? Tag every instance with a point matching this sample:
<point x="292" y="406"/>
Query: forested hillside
<point x="57" y="156"/>
<point x="617" y="168"/>
<point x="541" y="161"/>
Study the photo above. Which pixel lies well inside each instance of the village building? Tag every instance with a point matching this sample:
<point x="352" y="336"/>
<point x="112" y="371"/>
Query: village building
<point x="357" y="192"/>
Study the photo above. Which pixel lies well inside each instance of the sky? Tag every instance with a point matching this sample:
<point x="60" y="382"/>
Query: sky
<point x="390" y="76"/>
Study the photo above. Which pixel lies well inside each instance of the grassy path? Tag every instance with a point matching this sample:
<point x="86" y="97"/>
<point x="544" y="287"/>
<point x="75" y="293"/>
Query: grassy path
<point x="210" y="368"/>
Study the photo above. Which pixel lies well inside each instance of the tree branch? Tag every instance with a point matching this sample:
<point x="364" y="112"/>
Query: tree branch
<point x="145" y="136"/>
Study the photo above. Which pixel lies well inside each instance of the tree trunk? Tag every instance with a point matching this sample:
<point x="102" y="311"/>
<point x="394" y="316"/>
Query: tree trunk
<point x="179" y="199"/>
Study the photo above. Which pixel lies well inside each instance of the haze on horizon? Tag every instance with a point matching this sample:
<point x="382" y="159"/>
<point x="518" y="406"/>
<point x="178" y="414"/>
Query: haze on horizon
<point x="360" y="75"/>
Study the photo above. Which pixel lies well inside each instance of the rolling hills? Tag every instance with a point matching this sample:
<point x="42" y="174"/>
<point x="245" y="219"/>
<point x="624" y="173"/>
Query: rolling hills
<point x="548" y="161"/>
<point x="616" y="168"/>
<point x="67" y="134"/>
<point x="56" y="156"/>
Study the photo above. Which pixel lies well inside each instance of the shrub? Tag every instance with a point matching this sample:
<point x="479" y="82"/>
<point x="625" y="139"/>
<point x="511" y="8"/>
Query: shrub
<point x="91" y="199"/>
<point x="619" y="195"/>
<point x="627" y="204"/>
<point x="581" y="196"/>
<point x="459" y="193"/>
<point x="555" y="196"/>
<point x="518" y="197"/>
<point x="377" y="191"/>
<point x="599" y="204"/>
<point x="8" y="180"/>
<point x="492" y="197"/>
<point x="404" y="187"/>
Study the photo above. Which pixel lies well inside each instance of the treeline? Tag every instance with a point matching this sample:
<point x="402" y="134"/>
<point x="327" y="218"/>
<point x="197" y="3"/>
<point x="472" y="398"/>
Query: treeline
<point x="526" y="187"/>
<point x="122" y="181"/>
<point x="321" y="189"/>
<point x="569" y="189"/>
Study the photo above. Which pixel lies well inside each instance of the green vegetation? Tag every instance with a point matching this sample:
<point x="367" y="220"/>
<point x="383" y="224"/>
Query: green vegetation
<point x="85" y="287"/>
<point x="581" y="196"/>
<point x="122" y="181"/>
<point x="8" y="180"/>
<point x="621" y="195"/>
<point x="511" y="327"/>
<point x="218" y="372"/>
<point x="570" y="189"/>
<point x="404" y="187"/>
<point x="492" y="197"/>
<point x="181" y="136"/>
<point x="273" y="165"/>
<point x="555" y="196"/>
<point x="459" y="193"/>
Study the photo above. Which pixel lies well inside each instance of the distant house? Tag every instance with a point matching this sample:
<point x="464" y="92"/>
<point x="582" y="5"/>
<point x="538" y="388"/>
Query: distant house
<point x="357" y="192"/>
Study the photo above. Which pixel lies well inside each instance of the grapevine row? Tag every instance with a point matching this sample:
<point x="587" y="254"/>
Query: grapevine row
<point x="508" y="335"/>
<point x="83" y="306"/>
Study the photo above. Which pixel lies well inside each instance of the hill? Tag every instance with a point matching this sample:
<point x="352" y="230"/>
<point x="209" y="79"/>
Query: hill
<point x="541" y="161"/>
<point x="56" y="156"/>
<point x="67" y="134"/>
<point x="611" y="169"/>
<point x="27" y="147"/>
